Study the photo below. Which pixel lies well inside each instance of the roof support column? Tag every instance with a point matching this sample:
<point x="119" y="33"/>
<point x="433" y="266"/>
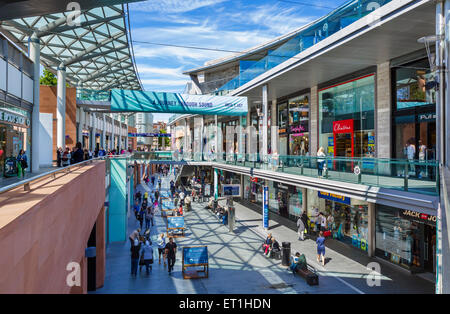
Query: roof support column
<point x="119" y="144"/>
<point x="35" y="55"/>
<point x="61" y="107"/>
<point x="113" y="126"/>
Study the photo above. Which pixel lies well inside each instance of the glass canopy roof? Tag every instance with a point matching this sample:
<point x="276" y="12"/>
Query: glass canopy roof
<point x="96" y="51"/>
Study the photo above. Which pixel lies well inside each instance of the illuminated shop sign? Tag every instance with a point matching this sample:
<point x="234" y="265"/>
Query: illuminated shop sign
<point x="13" y="118"/>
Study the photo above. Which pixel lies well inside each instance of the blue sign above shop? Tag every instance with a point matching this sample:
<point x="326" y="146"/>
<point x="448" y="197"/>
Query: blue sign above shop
<point x="334" y="197"/>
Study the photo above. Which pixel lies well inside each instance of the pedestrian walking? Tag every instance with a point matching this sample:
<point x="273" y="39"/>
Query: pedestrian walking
<point x="171" y="250"/>
<point x="141" y="214"/>
<point x="22" y="164"/>
<point x="301" y="229"/>
<point x="147" y="216"/>
<point x="135" y="250"/>
<point x="59" y="153"/>
<point x="321" y="248"/>
<point x="320" y="161"/>
<point x="161" y="242"/>
<point x="146" y="256"/>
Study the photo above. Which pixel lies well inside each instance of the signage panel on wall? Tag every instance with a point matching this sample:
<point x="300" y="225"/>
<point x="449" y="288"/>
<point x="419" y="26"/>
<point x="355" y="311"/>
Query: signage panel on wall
<point x="231" y="189"/>
<point x="334" y="197"/>
<point x="266" y="208"/>
<point x="143" y="101"/>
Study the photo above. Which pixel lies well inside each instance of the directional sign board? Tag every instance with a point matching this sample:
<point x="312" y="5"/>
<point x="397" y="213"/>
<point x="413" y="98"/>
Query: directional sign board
<point x="175" y="222"/>
<point x="197" y="255"/>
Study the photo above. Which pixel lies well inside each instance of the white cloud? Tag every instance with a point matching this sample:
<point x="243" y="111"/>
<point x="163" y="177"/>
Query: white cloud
<point x="174" y="6"/>
<point x="164" y="82"/>
<point x="145" y="70"/>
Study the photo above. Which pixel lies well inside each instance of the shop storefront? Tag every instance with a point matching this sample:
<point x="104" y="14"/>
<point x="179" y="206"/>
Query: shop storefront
<point x="253" y="190"/>
<point x="15" y="135"/>
<point x="406" y="238"/>
<point x="414" y="112"/>
<point x="299" y="125"/>
<point x="346" y="118"/>
<point x="283" y="132"/>
<point x="347" y="218"/>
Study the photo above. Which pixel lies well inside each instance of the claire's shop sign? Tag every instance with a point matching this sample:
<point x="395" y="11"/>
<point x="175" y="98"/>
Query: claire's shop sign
<point x="13" y="118"/>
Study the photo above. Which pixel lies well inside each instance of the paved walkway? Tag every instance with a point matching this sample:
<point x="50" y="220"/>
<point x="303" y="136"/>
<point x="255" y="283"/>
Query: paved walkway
<point x="236" y="264"/>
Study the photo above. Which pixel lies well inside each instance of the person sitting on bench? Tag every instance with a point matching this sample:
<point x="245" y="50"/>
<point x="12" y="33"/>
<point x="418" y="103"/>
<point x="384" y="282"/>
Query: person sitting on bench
<point x="267" y="243"/>
<point x="298" y="262"/>
<point x="274" y="247"/>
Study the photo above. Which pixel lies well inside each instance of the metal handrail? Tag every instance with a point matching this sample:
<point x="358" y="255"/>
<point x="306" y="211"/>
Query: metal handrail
<point x="26" y="182"/>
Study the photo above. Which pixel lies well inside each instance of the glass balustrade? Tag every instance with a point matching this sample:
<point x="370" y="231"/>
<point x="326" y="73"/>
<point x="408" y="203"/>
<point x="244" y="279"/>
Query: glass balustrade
<point x="407" y="175"/>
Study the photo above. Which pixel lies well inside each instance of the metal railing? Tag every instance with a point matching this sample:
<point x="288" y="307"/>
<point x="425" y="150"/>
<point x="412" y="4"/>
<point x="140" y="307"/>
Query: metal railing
<point x="26" y="182"/>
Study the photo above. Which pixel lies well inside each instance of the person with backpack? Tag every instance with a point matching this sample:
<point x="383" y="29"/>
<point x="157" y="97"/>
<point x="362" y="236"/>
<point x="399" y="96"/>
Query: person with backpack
<point x="141" y="214"/>
<point x="22" y="163"/>
<point x="78" y="155"/>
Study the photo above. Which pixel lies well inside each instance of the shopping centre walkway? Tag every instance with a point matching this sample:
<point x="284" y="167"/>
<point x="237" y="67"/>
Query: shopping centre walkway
<point x="237" y="265"/>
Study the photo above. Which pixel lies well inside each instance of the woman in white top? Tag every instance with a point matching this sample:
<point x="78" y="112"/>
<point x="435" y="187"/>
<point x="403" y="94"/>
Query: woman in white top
<point x="161" y="245"/>
<point x="320" y="161"/>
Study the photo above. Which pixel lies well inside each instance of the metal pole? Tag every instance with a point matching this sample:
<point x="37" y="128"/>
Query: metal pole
<point x="440" y="127"/>
<point x="35" y="55"/>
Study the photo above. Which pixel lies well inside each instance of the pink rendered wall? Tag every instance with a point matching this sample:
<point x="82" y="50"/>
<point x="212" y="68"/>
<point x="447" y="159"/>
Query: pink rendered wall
<point x="41" y="231"/>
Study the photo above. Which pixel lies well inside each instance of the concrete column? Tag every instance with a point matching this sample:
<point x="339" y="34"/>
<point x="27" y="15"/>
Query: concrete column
<point x="446" y="130"/>
<point x="304" y="200"/>
<point x="274" y="139"/>
<point x="314" y="118"/>
<point x="265" y="107"/>
<point x="383" y="111"/>
<point x="61" y="107"/>
<point x="35" y="56"/>
<point x="80" y="125"/>
<point x="371" y="230"/>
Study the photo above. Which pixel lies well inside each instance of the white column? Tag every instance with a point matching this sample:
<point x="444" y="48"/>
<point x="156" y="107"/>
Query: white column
<point x="61" y="107"/>
<point x="120" y="132"/>
<point x="112" y="133"/>
<point x="104" y="133"/>
<point x="35" y="55"/>
<point x="216" y="138"/>
<point x="265" y="106"/>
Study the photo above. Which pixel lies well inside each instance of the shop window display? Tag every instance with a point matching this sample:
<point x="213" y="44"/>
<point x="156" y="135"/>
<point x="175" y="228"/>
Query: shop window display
<point x="346" y="113"/>
<point x="407" y="240"/>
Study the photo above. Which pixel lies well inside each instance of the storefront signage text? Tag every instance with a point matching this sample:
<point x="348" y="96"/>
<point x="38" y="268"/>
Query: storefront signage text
<point x="334" y="197"/>
<point x="13" y="118"/>
<point x="344" y="126"/>
<point x="417" y="215"/>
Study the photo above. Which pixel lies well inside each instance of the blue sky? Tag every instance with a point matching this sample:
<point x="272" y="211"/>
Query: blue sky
<point x="222" y="24"/>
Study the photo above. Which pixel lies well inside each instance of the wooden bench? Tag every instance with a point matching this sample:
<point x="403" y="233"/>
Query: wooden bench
<point x="309" y="274"/>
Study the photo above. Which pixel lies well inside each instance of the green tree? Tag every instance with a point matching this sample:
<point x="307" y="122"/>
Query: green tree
<point x="48" y="78"/>
<point x="166" y="139"/>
